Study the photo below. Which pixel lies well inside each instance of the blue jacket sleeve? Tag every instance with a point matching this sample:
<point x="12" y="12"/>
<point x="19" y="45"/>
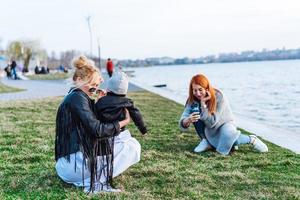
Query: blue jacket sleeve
<point x="186" y="113"/>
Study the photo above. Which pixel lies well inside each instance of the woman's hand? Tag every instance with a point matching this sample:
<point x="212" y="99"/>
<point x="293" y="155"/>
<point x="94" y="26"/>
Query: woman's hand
<point x="195" y="116"/>
<point x="192" y="118"/>
<point x="207" y="97"/>
<point x="126" y="120"/>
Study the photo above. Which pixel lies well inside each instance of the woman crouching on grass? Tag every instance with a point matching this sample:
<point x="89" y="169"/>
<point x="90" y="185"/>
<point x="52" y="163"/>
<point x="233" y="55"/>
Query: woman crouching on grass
<point x="88" y="152"/>
<point x="208" y="110"/>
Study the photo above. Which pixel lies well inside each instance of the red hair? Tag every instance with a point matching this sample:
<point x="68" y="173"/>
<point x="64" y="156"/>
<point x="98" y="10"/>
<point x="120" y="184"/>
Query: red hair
<point x="201" y="80"/>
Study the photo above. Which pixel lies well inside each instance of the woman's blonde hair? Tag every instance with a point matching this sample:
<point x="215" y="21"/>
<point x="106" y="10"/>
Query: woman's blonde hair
<point x="85" y="69"/>
<point x="201" y="80"/>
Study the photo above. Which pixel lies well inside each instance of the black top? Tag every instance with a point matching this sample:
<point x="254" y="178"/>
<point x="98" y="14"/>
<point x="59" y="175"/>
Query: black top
<point x="13" y="64"/>
<point x="111" y="108"/>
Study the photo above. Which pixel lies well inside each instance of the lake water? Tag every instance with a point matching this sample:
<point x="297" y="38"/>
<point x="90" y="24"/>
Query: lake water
<point x="267" y="92"/>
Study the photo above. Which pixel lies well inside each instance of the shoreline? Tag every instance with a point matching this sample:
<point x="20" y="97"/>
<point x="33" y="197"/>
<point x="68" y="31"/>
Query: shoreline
<point x="271" y="134"/>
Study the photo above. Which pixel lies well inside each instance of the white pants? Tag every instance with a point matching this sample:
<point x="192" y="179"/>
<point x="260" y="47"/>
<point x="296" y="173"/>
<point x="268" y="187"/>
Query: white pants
<point x="127" y="151"/>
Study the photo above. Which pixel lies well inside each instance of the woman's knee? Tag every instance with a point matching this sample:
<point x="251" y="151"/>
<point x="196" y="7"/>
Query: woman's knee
<point x="136" y="148"/>
<point x="228" y="129"/>
<point x="228" y="126"/>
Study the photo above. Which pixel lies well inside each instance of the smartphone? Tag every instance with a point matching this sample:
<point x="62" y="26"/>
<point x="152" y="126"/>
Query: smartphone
<point x="196" y="108"/>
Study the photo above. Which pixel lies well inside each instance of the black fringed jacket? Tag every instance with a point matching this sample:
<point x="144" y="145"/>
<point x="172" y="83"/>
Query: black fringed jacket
<point x="75" y="115"/>
<point x="78" y="129"/>
<point x="111" y="108"/>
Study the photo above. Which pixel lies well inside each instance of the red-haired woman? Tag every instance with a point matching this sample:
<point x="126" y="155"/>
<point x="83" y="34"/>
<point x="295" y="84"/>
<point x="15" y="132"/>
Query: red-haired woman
<point x="208" y="109"/>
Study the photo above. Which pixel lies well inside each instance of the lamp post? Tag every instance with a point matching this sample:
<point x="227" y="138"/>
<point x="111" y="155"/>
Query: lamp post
<point x="91" y="38"/>
<point x="99" y="55"/>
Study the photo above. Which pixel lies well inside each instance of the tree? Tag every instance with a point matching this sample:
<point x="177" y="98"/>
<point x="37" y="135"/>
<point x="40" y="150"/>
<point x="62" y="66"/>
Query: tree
<point x="66" y="57"/>
<point x="14" y="50"/>
<point x="30" y="47"/>
<point x="42" y="55"/>
<point x="25" y="50"/>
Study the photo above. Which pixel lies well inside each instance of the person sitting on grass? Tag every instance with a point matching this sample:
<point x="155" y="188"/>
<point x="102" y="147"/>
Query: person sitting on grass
<point x="111" y="107"/>
<point x="90" y="152"/>
<point x="8" y="71"/>
<point x="37" y="70"/>
<point x="208" y="110"/>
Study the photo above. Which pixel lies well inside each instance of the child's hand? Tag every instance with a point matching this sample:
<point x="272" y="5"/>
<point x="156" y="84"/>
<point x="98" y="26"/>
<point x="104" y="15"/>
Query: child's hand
<point x="144" y="131"/>
<point x="101" y="93"/>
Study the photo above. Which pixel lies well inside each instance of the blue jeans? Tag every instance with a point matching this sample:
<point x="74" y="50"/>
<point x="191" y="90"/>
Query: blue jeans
<point x="199" y="126"/>
<point x="15" y="73"/>
<point x="242" y="139"/>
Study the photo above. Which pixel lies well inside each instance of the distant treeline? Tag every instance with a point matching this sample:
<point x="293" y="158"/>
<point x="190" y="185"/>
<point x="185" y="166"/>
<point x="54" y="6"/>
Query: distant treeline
<point x="278" y="54"/>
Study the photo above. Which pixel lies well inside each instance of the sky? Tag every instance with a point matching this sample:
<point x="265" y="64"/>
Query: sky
<point x="131" y="29"/>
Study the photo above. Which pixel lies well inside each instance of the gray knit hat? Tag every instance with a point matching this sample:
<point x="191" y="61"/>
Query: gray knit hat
<point x="118" y="83"/>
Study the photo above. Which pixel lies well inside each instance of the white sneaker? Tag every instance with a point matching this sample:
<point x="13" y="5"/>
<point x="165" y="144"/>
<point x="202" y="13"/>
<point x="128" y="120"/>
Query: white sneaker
<point x="202" y="146"/>
<point x="99" y="189"/>
<point x="258" y="144"/>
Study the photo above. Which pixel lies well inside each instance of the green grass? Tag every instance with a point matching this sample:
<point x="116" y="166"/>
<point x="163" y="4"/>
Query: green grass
<point x="6" y="89"/>
<point x="168" y="168"/>
<point x="51" y="76"/>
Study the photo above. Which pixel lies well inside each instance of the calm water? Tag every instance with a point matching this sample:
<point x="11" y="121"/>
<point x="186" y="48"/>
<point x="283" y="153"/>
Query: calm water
<point x="268" y="92"/>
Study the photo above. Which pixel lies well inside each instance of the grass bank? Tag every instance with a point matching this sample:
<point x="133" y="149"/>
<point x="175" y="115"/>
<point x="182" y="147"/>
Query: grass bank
<point x="6" y="89"/>
<point x="50" y="76"/>
<point x="168" y="168"/>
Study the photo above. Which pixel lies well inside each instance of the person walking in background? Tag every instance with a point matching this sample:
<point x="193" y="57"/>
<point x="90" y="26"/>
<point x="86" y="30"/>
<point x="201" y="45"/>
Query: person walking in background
<point x="208" y="109"/>
<point x="14" y="69"/>
<point x="109" y="67"/>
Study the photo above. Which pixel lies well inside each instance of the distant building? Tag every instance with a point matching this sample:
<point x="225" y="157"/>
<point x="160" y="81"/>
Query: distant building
<point x="166" y="61"/>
